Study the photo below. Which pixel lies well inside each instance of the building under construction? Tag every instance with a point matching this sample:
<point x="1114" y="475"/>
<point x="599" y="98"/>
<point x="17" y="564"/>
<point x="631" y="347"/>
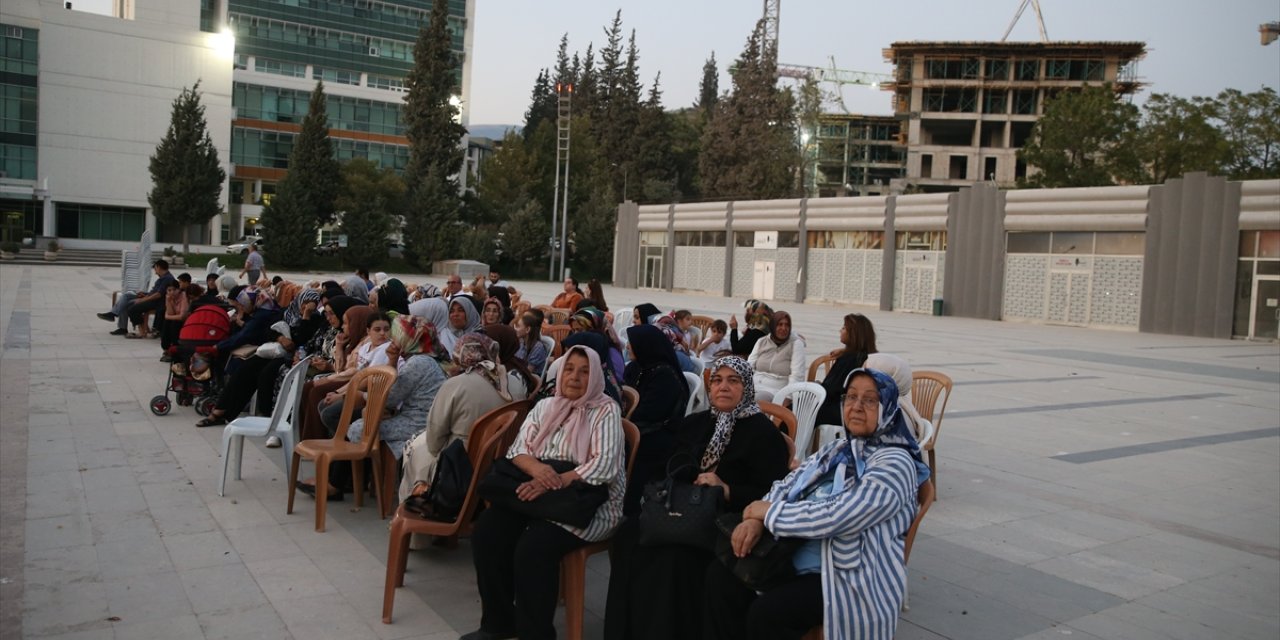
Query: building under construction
<point x="857" y="155"/>
<point x="967" y="107"/>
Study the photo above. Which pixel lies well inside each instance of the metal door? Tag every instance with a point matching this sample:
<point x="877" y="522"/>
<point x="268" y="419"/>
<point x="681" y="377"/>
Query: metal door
<point x="762" y="284"/>
<point x="919" y="287"/>
<point x="652" y="276"/>
<point x="1069" y="295"/>
<point x="1265" y="322"/>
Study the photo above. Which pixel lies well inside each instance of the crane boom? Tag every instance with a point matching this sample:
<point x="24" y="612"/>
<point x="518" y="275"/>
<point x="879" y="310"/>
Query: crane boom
<point x="1044" y="36"/>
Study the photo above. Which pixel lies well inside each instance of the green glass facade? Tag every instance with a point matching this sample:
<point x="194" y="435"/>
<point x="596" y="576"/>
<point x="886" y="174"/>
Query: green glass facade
<point x="275" y="104"/>
<point x="19" y="65"/>
<point x="100" y="222"/>
<point x="258" y="148"/>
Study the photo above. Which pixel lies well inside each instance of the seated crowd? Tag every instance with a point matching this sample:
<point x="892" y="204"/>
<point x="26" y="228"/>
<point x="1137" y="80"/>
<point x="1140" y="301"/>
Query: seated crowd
<point x="462" y="351"/>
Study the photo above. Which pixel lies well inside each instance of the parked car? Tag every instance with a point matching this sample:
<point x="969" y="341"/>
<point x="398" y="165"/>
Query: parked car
<point x="242" y="247"/>
<point x="327" y="249"/>
<point x="395" y="250"/>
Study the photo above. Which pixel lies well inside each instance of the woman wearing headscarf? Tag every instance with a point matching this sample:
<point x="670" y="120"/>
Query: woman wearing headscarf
<point x="671" y="329"/>
<point x="254" y="373"/>
<point x="356" y="287"/>
<point x="503" y="296"/>
<point x="779" y="359"/>
<point x="493" y="313"/>
<point x="852" y="502"/>
<point x="355" y="323"/>
<point x="479" y="387"/>
<point x="464" y="317"/>
<point x="520" y="381"/>
<point x="255" y="313"/>
<point x="592" y="320"/>
<point x="414" y="349"/>
<point x="664" y="394"/>
<point x="859" y="339"/>
<point x="898" y="369"/>
<point x="759" y="317"/>
<point x="436" y="312"/>
<point x="392" y="296"/>
<point x="645" y="313"/>
<point x="517" y="557"/>
<point x="655" y="592"/>
<point x="600" y="345"/>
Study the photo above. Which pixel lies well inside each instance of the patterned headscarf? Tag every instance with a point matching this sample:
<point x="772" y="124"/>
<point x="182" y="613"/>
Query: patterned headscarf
<point x="673" y="333"/>
<point x="255" y="298"/>
<point x="725" y="420"/>
<point x="494" y="302"/>
<point x="891" y="431"/>
<point x="563" y="413"/>
<point x="478" y="353"/>
<point x="758" y="315"/>
<point x="293" y="314"/>
<point x="428" y="291"/>
<point x="413" y="335"/>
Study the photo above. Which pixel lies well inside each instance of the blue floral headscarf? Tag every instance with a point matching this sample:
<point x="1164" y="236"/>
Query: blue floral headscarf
<point x="892" y="430"/>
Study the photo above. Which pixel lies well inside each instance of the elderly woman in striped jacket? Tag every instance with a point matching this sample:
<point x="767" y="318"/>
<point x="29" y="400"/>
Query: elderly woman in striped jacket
<point x="852" y="502"/>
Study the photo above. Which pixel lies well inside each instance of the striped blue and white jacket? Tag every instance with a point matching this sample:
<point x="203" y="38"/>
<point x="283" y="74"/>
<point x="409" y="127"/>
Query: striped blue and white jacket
<point x="863" y="531"/>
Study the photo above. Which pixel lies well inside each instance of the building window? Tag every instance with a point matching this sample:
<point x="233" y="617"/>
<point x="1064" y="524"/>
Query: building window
<point x="93" y="222"/>
<point x="846" y="240"/>
<point x="744" y="238"/>
<point x="788" y="239"/>
<point x="997" y="70"/>
<point x="922" y="240"/>
<point x="19" y="50"/>
<point x="951" y="69"/>
<point x="995" y="101"/>
<point x="1027" y="70"/>
<point x="18" y="161"/>
<point x="653" y="238"/>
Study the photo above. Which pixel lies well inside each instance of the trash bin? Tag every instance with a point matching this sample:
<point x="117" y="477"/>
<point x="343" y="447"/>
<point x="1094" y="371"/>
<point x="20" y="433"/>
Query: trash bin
<point x="937" y="306"/>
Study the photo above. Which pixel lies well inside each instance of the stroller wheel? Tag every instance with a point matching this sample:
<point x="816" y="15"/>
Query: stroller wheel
<point x="160" y="405"/>
<point x="205" y="406"/>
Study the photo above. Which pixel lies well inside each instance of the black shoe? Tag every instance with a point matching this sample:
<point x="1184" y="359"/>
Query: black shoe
<point x="120" y="332"/>
<point x="166" y="358"/>
<point x="108" y="316"/>
<point x="481" y="634"/>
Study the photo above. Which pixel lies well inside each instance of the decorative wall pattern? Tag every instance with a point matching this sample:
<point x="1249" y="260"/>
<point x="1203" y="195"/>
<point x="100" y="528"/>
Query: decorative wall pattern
<point x="1104" y="291"/>
<point x="845" y="275"/>
<point x="1024" y="286"/>
<point x="1117" y="291"/>
<point x="917" y="280"/>
<point x="700" y="269"/>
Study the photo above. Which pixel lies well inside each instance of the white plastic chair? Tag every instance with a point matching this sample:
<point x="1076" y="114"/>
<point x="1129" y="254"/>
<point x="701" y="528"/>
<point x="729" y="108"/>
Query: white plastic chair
<point x="806" y="399"/>
<point x="282" y="423"/>
<point x="697" y="395"/>
<point x="550" y="344"/>
<point x="698" y="365"/>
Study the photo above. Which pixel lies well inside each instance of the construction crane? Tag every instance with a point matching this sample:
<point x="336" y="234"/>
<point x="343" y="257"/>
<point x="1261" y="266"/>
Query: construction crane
<point x="1044" y="36"/>
<point x="832" y="75"/>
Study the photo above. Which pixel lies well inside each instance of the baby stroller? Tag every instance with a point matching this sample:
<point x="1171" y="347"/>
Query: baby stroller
<point x="193" y="375"/>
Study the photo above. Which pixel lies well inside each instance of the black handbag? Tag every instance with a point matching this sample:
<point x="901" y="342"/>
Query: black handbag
<point x="442" y="502"/>
<point x="574" y="505"/>
<point x="675" y="512"/>
<point x="768" y="564"/>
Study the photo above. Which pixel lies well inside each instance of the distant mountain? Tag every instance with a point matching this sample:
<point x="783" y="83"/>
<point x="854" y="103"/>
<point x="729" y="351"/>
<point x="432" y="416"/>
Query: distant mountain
<point x="495" y="131"/>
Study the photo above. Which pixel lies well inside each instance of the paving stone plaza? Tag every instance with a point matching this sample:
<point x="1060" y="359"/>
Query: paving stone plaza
<point x="1092" y="485"/>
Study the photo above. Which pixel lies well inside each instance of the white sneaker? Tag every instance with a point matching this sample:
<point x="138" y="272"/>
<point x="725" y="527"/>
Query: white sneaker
<point x="273" y="442"/>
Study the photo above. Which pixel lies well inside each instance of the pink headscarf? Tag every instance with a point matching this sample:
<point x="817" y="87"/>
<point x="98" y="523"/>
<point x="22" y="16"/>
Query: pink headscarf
<point x="563" y="413"/>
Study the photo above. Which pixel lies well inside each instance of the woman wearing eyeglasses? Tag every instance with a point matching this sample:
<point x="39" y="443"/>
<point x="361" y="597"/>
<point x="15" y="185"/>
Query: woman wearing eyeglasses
<point x="852" y="503"/>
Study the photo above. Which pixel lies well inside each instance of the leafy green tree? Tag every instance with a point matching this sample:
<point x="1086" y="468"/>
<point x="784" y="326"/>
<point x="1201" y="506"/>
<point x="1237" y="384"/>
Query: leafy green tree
<point x="186" y="178"/>
<point x="808" y="110"/>
<point x="593" y="227"/>
<point x="371" y="200"/>
<point x="1084" y="139"/>
<point x="1250" y="124"/>
<point x="524" y="235"/>
<point x="311" y="163"/>
<point x="749" y="146"/>
<point x="434" y="132"/>
<point x="1178" y="136"/>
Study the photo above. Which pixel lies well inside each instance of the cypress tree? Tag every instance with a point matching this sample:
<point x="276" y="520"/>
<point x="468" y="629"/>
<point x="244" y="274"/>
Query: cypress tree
<point x="305" y="196"/>
<point x="186" y="178"/>
<point x="708" y="87"/>
<point x="435" y="152"/>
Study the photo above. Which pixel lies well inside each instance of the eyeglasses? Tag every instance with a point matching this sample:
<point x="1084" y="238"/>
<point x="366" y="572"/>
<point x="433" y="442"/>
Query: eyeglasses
<point x="864" y="403"/>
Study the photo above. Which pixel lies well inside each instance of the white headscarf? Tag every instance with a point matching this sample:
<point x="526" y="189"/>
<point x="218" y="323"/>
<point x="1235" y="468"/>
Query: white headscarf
<point x="900" y="371"/>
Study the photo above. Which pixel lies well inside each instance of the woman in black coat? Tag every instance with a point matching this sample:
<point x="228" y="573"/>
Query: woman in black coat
<point x="664" y="394"/>
<point x="656" y="591"/>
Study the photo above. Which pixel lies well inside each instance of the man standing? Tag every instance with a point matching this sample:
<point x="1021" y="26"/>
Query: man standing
<point x="131" y="307"/>
<point x="254" y="266"/>
<point x="495" y="280"/>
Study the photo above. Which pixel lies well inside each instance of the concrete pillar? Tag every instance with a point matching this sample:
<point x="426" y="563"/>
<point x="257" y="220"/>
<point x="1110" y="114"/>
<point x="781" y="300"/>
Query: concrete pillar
<point x="802" y="284"/>
<point x="49" y="216"/>
<point x="889" y="255"/>
<point x="729" y="244"/>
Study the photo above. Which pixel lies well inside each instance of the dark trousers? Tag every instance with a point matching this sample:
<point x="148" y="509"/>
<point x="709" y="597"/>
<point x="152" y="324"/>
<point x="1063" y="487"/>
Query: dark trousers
<point x="169" y="330"/>
<point x="139" y="309"/>
<point x="255" y="374"/>
<point x="517" y="562"/>
<point x="785" y="612"/>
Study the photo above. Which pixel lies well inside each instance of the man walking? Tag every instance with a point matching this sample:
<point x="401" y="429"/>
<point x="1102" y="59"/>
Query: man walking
<point x="254" y="266"/>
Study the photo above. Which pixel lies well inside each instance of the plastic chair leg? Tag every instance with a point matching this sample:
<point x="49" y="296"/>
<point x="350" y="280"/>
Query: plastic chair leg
<point x="293" y="480"/>
<point x="404" y="557"/>
<point x="239" y="440"/>
<point x="357" y="482"/>
<point x="226" y="460"/>
<point x="933" y="473"/>
<point x="574" y="573"/>
<point x="322" y="491"/>
<point x="286" y="448"/>
<point x="394" y="568"/>
<point x="377" y="484"/>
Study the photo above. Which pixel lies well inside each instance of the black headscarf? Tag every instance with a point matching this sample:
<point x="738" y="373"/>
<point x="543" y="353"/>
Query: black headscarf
<point x="646" y="311"/>
<point x="330" y="289"/>
<point x="393" y="296"/>
<point x="339" y="305"/>
<point x="651" y="349"/>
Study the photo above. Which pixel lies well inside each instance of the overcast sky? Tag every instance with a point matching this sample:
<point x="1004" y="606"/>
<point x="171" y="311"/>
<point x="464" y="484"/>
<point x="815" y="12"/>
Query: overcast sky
<point x="1195" y="47"/>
